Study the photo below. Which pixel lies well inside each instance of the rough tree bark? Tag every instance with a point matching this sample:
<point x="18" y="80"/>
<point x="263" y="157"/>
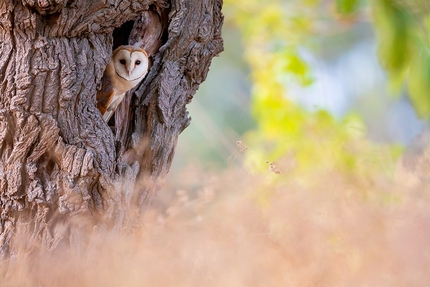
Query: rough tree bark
<point x="58" y="159"/>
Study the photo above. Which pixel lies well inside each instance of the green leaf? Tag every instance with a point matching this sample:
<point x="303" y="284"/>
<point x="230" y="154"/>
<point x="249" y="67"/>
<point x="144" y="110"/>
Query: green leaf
<point x="395" y="30"/>
<point x="419" y="83"/>
<point x="347" y="7"/>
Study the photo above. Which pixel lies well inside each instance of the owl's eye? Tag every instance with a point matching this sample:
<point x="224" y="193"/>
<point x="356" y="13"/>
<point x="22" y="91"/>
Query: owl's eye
<point x="137" y="62"/>
<point x="122" y="61"/>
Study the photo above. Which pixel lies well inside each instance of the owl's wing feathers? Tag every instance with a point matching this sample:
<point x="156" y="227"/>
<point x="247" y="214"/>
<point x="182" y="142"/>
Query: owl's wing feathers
<point x="105" y="94"/>
<point x="107" y="98"/>
<point x="107" y="115"/>
<point x="116" y="100"/>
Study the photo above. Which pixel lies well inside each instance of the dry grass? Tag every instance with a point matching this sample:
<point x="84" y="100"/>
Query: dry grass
<point x="236" y="229"/>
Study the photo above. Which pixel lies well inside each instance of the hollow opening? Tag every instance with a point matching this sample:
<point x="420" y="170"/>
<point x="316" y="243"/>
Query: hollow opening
<point x="51" y="19"/>
<point x="121" y="34"/>
<point x="120" y="37"/>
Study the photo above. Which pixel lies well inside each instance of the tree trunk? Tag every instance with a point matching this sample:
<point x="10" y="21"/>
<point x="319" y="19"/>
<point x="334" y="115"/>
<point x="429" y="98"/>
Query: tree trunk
<point x="58" y="159"/>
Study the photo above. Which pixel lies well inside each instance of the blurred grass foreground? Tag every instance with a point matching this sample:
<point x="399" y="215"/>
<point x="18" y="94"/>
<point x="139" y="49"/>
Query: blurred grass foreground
<point x="308" y="182"/>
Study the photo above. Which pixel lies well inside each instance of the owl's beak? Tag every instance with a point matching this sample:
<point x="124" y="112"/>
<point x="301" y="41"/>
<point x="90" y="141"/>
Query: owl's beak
<point x="129" y="70"/>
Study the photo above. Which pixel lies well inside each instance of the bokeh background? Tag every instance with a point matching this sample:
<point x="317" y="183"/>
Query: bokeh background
<point x="346" y="58"/>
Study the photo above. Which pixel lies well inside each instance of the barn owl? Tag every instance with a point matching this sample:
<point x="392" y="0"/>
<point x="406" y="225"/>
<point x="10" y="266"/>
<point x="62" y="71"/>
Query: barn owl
<point x="126" y="69"/>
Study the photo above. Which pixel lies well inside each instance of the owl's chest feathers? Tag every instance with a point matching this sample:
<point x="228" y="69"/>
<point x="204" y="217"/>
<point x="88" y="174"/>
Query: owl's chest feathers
<point x="120" y="84"/>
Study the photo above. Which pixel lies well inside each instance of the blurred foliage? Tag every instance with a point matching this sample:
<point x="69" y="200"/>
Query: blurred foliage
<point x="403" y="36"/>
<point x="275" y="35"/>
<point x="347" y="7"/>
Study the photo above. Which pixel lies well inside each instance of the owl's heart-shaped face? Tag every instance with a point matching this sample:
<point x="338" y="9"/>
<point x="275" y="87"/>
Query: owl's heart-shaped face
<point x="130" y="63"/>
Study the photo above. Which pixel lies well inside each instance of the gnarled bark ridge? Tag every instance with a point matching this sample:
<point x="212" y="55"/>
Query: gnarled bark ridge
<point x="58" y="159"/>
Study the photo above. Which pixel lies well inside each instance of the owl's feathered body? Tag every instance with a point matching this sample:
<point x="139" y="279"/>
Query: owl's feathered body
<point x="126" y="69"/>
